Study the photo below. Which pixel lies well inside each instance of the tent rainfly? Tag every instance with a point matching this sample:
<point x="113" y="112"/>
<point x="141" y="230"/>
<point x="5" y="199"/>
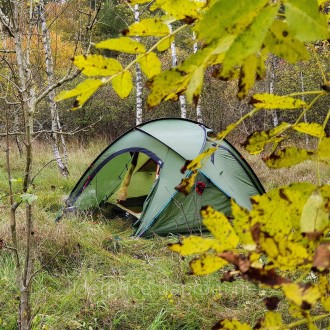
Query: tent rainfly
<point x="139" y="171"/>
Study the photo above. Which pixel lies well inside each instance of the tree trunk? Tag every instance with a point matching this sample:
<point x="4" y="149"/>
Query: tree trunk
<point x="272" y="79"/>
<point x="198" y="106"/>
<point x="55" y="122"/>
<point x="138" y="77"/>
<point x="303" y="98"/>
<point x="182" y="99"/>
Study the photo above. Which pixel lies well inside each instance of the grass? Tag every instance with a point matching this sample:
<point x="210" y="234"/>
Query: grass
<point x="94" y="275"/>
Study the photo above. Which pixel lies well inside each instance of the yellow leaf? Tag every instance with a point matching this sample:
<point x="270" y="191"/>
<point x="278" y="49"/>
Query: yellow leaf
<point x="187" y="183"/>
<point x="197" y="163"/>
<point x="274" y="222"/>
<point x="97" y="65"/>
<point x="122" y="84"/>
<point x="219" y="226"/>
<point x="168" y="83"/>
<point x="226" y="131"/>
<point x="241" y="225"/>
<point x="304" y="297"/>
<point x="272" y="101"/>
<point x="165" y="44"/>
<point x="147" y="27"/>
<point x="271" y="319"/>
<point x="323" y="150"/>
<point x="193" y="245"/>
<point x="123" y="44"/>
<point x="324" y="288"/>
<point x="313" y="129"/>
<point x="83" y="91"/>
<point x="315" y="217"/>
<point x="256" y="142"/>
<point x="247" y="76"/>
<point x="232" y="325"/>
<point x="150" y="64"/>
<point x="288" y="157"/>
<point x="206" y="264"/>
<point x="186" y="10"/>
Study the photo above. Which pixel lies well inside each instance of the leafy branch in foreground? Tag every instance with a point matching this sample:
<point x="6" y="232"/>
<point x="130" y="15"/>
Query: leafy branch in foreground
<point x="287" y="228"/>
<point x="237" y="36"/>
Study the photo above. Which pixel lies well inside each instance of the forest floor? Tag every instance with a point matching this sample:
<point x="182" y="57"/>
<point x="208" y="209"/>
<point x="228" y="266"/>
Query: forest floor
<point x="94" y="275"/>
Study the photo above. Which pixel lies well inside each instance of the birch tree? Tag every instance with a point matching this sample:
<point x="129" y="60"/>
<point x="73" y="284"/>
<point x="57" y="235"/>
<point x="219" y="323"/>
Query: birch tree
<point x="198" y="106"/>
<point x="182" y="99"/>
<point x="19" y="22"/>
<point x="138" y="77"/>
<point x="56" y="139"/>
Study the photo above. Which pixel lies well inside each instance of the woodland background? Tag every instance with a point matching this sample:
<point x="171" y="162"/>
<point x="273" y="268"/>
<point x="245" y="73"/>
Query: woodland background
<point x="87" y="272"/>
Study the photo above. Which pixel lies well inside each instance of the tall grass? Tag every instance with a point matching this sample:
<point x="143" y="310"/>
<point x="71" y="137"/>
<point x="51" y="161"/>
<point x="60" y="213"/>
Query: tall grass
<point x="93" y="275"/>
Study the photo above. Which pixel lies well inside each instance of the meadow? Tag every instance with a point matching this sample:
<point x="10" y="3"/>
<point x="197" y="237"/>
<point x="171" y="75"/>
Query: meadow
<point x="91" y="274"/>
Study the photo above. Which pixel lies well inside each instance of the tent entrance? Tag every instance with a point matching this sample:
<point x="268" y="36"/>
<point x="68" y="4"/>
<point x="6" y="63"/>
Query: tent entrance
<point x="141" y="173"/>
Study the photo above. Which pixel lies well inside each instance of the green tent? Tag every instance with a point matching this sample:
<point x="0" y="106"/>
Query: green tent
<point x="139" y="171"/>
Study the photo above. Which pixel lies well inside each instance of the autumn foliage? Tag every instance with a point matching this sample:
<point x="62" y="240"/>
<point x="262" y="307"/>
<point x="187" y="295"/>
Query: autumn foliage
<point x="287" y="229"/>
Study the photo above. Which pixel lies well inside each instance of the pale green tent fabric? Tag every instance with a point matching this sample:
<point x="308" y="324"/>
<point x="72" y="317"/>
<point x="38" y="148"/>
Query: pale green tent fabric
<point x="148" y="159"/>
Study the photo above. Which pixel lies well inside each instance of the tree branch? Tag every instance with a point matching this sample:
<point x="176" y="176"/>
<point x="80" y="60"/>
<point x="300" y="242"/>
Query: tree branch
<point x="57" y="84"/>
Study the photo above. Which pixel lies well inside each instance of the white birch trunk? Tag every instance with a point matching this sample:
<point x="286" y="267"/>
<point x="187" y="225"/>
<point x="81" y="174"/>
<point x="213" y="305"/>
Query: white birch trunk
<point x="272" y="78"/>
<point x="198" y="106"/>
<point x="138" y="77"/>
<point x="182" y="99"/>
<point x="55" y="122"/>
<point x="27" y="97"/>
<point x="303" y="98"/>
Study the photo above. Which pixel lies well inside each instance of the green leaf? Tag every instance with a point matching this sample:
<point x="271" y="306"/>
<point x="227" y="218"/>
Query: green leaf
<point x="195" y="85"/>
<point x="249" y="41"/>
<point x="247" y="76"/>
<point x="281" y="42"/>
<point x="206" y="264"/>
<point x="97" y="65"/>
<point x="288" y="157"/>
<point x="272" y="101"/>
<point x="227" y="17"/>
<point x="313" y="129"/>
<point x="83" y="91"/>
<point x="256" y="142"/>
<point x="150" y="65"/>
<point x="28" y="198"/>
<point x="323" y="149"/>
<point x="306" y="14"/>
<point x="186" y="10"/>
<point x="123" y="44"/>
<point x="315" y="215"/>
<point x="147" y="27"/>
<point x="122" y="84"/>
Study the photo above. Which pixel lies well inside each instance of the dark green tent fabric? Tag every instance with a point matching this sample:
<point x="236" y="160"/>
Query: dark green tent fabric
<point x="139" y="171"/>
